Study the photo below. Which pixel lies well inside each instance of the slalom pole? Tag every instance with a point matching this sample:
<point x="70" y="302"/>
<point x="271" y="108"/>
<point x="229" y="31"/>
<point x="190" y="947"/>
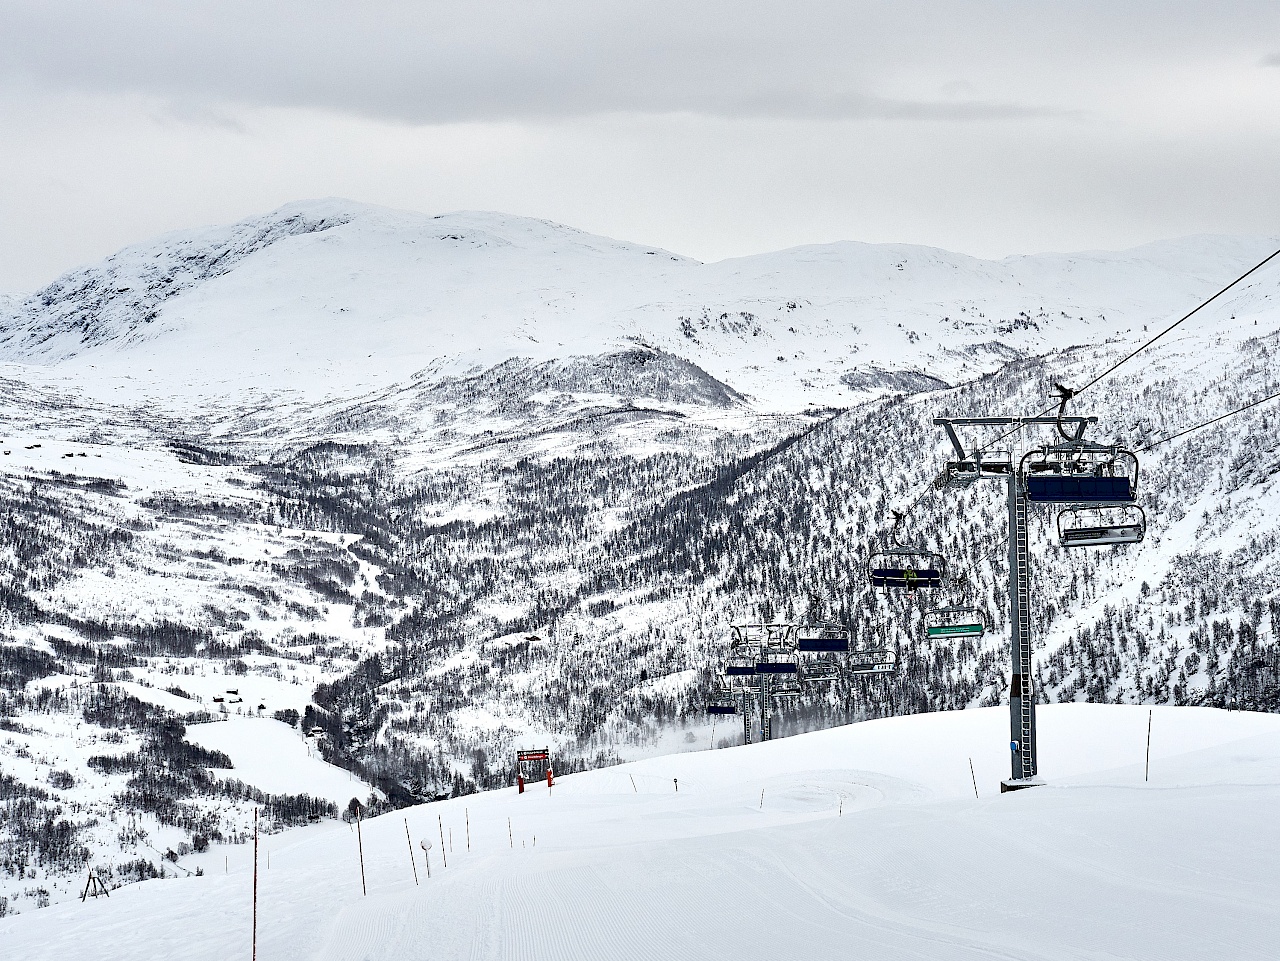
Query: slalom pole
<point x="409" y="841"/>
<point x="974" y="777"/>
<point x="443" y="854"/>
<point x="510" y="837"/>
<point x="467" y="811"/>
<point x="255" y="885"/>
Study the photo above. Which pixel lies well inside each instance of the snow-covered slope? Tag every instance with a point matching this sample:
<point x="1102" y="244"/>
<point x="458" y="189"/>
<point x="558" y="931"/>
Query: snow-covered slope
<point x="865" y="841"/>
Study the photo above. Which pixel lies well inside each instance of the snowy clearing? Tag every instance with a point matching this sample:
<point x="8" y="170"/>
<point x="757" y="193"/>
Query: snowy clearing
<point x="275" y="758"/>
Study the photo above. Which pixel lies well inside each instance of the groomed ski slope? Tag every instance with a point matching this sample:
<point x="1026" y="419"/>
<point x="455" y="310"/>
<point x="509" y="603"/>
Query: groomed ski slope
<point x="1096" y="864"/>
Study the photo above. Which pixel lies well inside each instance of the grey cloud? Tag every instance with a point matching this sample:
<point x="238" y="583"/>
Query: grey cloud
<point x="196" y="113"/>
<point x="432" y="63"/>
<point x="1271" y="61"/>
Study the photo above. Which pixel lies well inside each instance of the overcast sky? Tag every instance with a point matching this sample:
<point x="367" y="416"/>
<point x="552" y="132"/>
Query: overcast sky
<point x="714" y="129"/>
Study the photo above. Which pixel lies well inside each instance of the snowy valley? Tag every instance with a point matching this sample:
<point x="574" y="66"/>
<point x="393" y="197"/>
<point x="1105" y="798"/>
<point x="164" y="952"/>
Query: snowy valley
<point x="348" y="502"/>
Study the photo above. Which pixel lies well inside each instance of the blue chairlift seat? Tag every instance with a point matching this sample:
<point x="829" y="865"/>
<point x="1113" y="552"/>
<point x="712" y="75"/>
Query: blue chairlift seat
<point x="901" y="566"/>
<point x="823" y="645"/>
<point x="721" y="709"/>
<point x="822" y="640"/>
<point x="776" y="667"/>
<point x="1084" y="489"/>
<point x="906" y="577"/>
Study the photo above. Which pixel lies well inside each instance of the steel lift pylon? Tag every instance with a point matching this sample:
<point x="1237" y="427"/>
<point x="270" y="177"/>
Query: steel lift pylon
<point x="1000" y="465"/>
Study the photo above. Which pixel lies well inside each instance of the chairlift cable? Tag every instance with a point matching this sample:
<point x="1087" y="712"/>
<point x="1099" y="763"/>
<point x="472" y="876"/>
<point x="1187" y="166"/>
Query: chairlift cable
<point x="1205" y="303"/>
<point x="1185" y="316"/>
<point x="1258" y="266"/>
<point x="1232" y="413"/>
<point x="1066" y="393"/>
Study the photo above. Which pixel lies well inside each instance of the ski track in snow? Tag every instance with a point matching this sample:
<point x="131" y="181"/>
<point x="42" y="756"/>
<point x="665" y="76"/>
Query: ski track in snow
<point x="1096" y="864"/>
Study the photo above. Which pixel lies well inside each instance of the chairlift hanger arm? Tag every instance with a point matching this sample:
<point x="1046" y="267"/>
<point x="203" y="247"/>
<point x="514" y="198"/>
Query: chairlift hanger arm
<point x="975" y="466"/>
<point x="955" y="440"/>
<point x="1064" y="395"/>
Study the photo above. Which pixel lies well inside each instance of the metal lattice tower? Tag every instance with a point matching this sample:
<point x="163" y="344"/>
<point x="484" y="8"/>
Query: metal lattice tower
<point x="766" y="703"/>
<point x="1022" y="704"/>
<point x="1003" y="465"/>
<point x="769" y="665"/>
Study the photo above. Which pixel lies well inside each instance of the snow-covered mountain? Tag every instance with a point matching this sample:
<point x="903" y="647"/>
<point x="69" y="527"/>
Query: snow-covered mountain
<point x="398" y="493"/>
<point x="332" y="298"/>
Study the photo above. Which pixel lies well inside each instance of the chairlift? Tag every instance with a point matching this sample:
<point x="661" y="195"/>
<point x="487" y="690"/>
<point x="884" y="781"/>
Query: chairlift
<point x="872" y="660"/>
<point x="909" y="568"/>
<point x="1077" y="471"/>
<point x="954" y="622"/>
<point x="982" y="463"/>
<point x="1080" y="473"/>
<point x="740" y="670"/>
<point x="722" y="701"/>
<point x="783" y="683"/>
<point x="822" y="638"/>
<point x="749" y="685"/>
<point x="819" y="670"/>
<point x="741" y="662"/>
<point x="777" y="661"/>
<point x="1101" y="526"/>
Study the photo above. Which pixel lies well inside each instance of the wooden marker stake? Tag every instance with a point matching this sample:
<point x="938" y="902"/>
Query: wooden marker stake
<point x="255" y="885"/>
<point x="1147" y="774"/>
<point x="409" y="841"/>
<point x="360" y="842"/>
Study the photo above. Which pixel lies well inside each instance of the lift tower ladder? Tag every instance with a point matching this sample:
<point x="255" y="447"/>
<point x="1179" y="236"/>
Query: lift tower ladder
<point x="1022" y="705"/>
<point x="1000" y="465"/>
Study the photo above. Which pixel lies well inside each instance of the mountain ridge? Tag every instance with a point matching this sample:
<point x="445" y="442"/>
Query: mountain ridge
<point x="331" y="298"/>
